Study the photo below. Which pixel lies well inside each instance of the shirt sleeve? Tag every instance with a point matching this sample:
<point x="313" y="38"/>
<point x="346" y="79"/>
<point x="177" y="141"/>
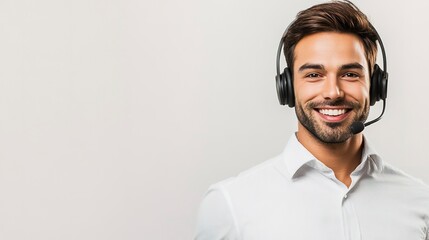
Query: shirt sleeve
<point x="215" y="219"/>
<point x="427" y="230"/>
<point x="427" y="234"/>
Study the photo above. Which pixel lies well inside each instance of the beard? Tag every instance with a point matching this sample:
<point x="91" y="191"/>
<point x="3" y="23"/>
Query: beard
<point x="330" y="132"/>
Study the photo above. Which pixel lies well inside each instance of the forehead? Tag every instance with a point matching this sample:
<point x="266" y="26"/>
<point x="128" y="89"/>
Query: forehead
<point x="330" y="49"/>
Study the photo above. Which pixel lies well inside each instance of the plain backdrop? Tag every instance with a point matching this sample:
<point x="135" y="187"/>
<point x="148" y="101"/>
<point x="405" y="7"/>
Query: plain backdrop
<point x="116" y="115"/>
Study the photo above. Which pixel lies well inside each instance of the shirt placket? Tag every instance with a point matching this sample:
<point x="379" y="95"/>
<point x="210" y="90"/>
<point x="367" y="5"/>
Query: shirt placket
<point x="350" y="219"/>
<point x="352" y="230"/>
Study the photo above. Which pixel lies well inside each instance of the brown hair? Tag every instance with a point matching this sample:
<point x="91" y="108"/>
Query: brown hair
<point x="335" y="16"/>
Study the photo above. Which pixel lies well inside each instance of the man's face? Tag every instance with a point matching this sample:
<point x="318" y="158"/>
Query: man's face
<point x="331" y="82"/>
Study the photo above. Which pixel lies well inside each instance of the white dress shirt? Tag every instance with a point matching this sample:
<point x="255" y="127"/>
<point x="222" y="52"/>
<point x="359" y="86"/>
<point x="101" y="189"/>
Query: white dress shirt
<point x="295" y="196"/>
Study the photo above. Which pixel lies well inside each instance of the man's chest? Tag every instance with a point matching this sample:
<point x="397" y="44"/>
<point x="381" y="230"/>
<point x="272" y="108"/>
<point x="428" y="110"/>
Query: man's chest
<point x="331" y="215"/>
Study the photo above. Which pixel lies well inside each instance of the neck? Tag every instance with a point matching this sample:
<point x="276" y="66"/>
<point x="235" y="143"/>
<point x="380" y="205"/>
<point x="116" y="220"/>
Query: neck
<point x="342" y="158"/>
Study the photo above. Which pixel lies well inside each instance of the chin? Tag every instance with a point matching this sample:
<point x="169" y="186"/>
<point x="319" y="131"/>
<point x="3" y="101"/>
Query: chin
<point x="334" y="134"/>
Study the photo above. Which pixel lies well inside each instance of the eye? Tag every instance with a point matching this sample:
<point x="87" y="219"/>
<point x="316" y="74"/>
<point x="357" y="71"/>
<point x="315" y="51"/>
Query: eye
<point x="351" y="76"/>
<point x="313" y="75"/>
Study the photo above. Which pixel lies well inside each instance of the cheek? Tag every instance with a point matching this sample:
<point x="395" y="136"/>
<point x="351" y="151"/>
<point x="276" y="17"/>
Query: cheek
<point x="359" y="92"/>
<point x="305" y="92"/>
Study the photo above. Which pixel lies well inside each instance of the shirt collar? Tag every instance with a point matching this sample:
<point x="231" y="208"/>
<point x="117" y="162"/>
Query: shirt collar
<point x="295" y="156"/>
<point x="369" y="154"/>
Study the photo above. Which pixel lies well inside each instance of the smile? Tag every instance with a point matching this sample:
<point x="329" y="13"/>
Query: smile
<point x="333" y="114"/>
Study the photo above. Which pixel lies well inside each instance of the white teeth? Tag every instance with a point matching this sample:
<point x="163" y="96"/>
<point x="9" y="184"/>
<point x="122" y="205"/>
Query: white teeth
<point x="332" y="112"/>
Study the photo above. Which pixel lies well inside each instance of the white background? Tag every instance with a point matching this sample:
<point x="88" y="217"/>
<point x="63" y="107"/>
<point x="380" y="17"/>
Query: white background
<point x="116" y="115"/>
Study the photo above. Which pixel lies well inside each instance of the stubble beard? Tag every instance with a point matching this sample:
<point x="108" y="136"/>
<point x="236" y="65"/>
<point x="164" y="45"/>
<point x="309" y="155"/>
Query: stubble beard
<point x="328" y="132"/>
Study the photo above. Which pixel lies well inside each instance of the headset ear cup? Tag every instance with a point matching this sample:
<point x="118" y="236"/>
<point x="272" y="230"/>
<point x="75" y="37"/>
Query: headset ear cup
<point x="378" y="88"/>
<point x="281" y="89"/>
<point x="289" y="89"/>
<point x="374" y="89"/>
<point x="284" y="86"/>
<point x="383" y="85"/>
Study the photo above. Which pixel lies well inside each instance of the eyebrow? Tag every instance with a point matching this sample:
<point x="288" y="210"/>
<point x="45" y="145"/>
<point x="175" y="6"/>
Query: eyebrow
<point x="352" y="66"/>
<point x="321" y="67"/>
<point x="311" y="66"/>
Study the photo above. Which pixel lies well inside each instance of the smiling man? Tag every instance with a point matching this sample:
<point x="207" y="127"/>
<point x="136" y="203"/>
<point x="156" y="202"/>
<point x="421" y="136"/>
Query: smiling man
<point x="328" y="183"/>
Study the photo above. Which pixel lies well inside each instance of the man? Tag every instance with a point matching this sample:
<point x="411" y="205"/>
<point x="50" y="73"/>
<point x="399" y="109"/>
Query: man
<point x="328" y="183"/>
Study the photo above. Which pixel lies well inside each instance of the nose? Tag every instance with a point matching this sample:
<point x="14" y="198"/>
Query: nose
<point x="332" y="89"/>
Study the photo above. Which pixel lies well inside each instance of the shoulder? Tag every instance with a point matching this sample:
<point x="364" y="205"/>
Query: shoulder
<point x="217" y="217"/>
<point x="409" y="185"/>
<point x="396" y="174"/>
<point x="261" y="176"/>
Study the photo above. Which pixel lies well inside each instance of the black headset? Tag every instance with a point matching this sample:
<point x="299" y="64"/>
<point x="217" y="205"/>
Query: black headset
<point x="378" y="85"/>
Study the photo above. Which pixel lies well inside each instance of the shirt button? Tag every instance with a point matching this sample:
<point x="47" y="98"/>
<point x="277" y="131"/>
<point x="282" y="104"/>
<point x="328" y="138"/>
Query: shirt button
<point x="345" y="196"/>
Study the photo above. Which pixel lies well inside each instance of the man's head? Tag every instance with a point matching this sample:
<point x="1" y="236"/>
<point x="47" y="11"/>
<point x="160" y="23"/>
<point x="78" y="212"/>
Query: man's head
<point x="331" y="50"/>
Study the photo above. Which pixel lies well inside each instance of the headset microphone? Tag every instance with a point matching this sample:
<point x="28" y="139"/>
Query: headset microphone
<point x="358" y="127"/>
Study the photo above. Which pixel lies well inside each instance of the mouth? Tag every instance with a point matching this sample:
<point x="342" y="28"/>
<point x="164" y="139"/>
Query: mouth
<point x="336" y="114"/>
